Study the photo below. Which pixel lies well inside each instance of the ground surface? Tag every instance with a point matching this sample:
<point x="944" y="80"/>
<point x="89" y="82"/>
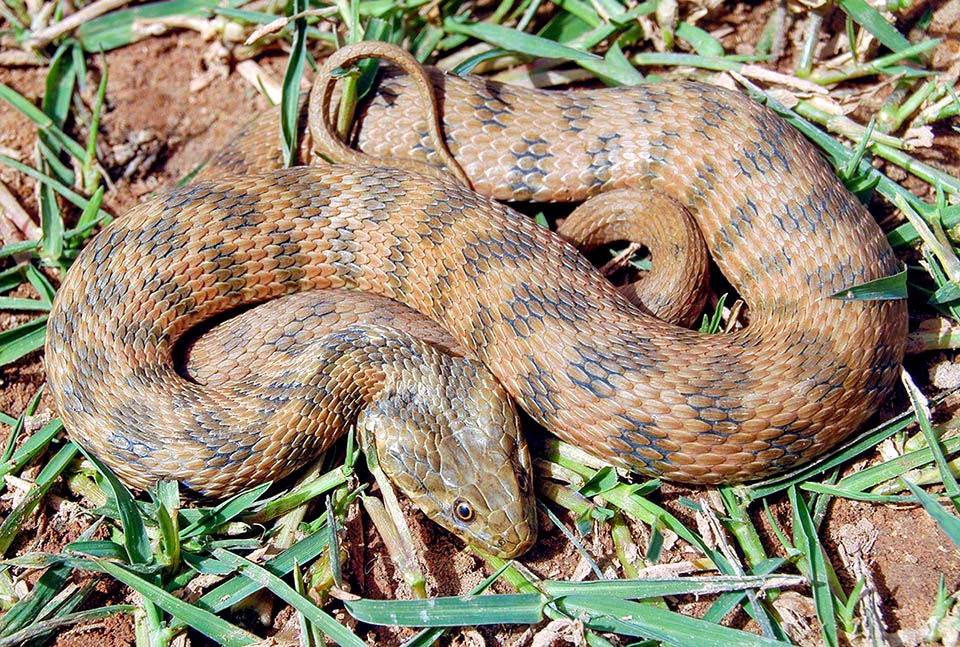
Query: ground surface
<point x="152" y="113"/>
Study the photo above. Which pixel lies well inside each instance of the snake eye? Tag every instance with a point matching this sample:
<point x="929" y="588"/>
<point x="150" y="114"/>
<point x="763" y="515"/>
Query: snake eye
<point x="523" y="482"/>
<point x="463" y="510"/>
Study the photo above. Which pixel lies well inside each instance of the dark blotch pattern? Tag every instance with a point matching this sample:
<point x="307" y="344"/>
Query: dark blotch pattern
<point x="591" y="367"/>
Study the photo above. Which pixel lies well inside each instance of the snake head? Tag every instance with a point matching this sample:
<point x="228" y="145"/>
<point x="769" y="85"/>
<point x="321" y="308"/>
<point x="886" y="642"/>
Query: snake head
<point x="469" y="468"/>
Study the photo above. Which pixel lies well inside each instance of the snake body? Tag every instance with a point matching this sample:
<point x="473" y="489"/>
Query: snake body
<point x="583" y="361"/>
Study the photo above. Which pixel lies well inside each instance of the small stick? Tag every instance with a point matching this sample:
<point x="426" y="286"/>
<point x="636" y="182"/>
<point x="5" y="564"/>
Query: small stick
<point x="71" y="22"/>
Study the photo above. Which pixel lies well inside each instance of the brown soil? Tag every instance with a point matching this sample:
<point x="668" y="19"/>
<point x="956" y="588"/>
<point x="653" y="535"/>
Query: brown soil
<point x="152" y="115"/>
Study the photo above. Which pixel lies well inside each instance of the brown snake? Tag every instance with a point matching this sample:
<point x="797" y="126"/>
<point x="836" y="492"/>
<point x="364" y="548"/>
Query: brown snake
<point x="584" y="362"/>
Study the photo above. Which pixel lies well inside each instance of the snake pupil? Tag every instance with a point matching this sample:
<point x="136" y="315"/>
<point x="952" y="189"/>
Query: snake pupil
<point x="463" y="510"/>
<point x="522" y="482"/>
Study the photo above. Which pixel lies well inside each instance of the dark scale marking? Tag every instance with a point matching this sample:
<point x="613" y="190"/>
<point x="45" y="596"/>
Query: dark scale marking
<point x="741" y="219"/>
<point x="527" y="174"/>
<point x="575" y="114"/>
<point x="767" y="156"/>
<point x="604" y="154"/>
<point x="641" y="442"/>
<point x="663" y="150"/>
<point x="540" y="394"/>
<point x="772" y="264"/>
<point x="593" y="370"/>
<point x="705" y="179"/>
<point x="505" y="247"/>
<point x="133" y="415"/>
<point x="519" y="324"/>
<point x="387" y="94"/>
<point x="182" y="197"/>
<point x="789" y="213"/>
<point x="816" y="208"/>
<point x="491" y="106"/>
<point x="528" y="305"/>
<point x="104" y="245"/>
<point x="751" y="157"/>
<point x="772" y="133"/>
<point x="715" y="103"/>
<point x="706" y="134"/>
<point x="708" y="124"/>
<point x="480" y="325"/>
<point x="424" y="149"/>
<point x="377" y="201"/>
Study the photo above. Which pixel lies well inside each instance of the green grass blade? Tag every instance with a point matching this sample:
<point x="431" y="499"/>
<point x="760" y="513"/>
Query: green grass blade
<point x="885" y="289"/>
<point x="945" y="294"/>
<point x="583" y="11"/>
<point x="632" y="500"/>
<point x="871" y="20"/>
<point x="922" y="409"/>
<point x="290" y="99"/>
<point x="13" y="438"/>
<point x="728" y="602"/>
<point x="854" y="495"/>
<point x="673" y="59"/>
<point x="13" y="277"/>
<point x="41" y="284"/>
<point x="22" y="340"/>
<point x="516" y="608"/>
<point x="99" y="549"/>
<point x="806" y="540"/>
<point x="45" y="479"/>
<point x="89" y="217"/>
<point x="644" y="588"/>
<point x="71" y="196"/>
<point x="281" y="589"/>
<point x="43" y="121"/>
<point x="616" y="69"/>
<point x="205" y="622"/>
<point x="653" y="623"/>
<point x="135" y="537"/>
<point x="90" y="166"/>
<point x="224" y="512"/>
<point x="26" y="610"/>
<point x="948" y="522"/>
<point x="40" y="629"/>
<point x="865" y="442"/>
<point x="31" y="447"/>
<point x="15" y="303"/>
<point x="566" y="28"/>
<point x="19" y="247"/>
<point x="701" y="41"/>
<point x="892" y="468"/>
<point x="301" y="494"/>
<point x="241" y="586"/>
<point x="60" y="83"/>
<point x="519" y="42"/>
<point x="51" y="224"/>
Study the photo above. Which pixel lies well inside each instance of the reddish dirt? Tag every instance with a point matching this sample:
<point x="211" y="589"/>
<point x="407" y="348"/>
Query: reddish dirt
<point x="151" y="112"/>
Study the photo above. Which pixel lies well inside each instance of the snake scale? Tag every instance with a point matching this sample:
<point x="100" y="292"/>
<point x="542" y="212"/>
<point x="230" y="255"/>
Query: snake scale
<point x="573" y="352"/>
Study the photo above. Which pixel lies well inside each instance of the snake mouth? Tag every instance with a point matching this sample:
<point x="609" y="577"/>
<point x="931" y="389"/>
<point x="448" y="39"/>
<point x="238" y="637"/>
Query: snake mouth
<point x="522" y="546"/>
<point x="512" y="531"/>
<point x="510" y="547"/>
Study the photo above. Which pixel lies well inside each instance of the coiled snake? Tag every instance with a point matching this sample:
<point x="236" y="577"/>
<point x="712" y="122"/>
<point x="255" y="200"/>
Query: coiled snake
<point x="583" y="361"/>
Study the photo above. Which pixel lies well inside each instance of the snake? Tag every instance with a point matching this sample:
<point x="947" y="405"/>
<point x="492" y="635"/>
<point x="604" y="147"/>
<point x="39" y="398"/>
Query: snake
<point x="533" y="316"/>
